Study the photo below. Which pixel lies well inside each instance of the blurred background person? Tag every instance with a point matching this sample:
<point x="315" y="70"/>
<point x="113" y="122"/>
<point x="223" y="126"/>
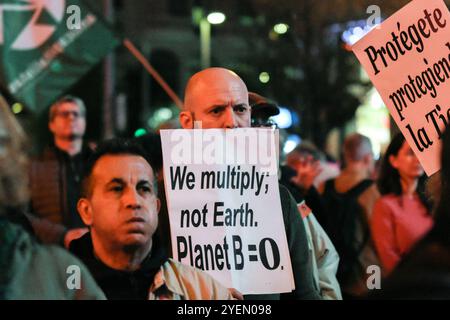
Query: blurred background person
<point x="328" y="169"/>
<point x="29" y="270"/>
<point x="55" y="174"/>
<point x="401" y="216"/>
<point x="424" y="273"/>
<point x="302" y="167"/>
<point x="348" y="201"/>
<point x="297" y="175"/>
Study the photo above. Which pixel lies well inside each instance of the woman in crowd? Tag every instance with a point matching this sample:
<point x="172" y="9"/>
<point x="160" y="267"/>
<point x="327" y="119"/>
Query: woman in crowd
<point x="401" y="216"/>
<point x="425" y="272"/>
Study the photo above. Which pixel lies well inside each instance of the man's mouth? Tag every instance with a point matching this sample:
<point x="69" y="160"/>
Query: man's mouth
<point x="136" y="219"/>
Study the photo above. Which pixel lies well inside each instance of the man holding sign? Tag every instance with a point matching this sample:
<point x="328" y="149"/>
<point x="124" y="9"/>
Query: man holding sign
<point x="218" y="98"/>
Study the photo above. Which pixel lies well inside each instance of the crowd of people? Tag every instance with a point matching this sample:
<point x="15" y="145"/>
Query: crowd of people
<point x="103" y="209"/>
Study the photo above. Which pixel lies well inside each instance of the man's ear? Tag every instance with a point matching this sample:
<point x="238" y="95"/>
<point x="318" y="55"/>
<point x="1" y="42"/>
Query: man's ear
<point x="158" y="205"/>
<point x="186" y="120"/>
<point x="85" y="210"/>
<point x="50" y="126"/>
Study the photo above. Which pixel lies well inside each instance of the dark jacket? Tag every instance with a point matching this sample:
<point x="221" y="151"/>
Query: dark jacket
<point x="158" y="278"/>
<point x="424" y="273"/>
<point x="55" y="187"/>
<point x="299" y="252"/>
<point x="120" y="285"/>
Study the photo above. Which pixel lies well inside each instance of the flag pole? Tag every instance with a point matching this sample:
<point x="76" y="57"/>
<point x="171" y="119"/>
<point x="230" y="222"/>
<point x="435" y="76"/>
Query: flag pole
<point x="138" y="55"/>
<point x="108" y="82"/>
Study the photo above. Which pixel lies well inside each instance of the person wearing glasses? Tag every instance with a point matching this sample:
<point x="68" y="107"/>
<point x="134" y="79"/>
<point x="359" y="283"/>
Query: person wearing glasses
<point x="262" y="111"/>
<point x="55" y="175"/>
<point x="323" y="255"/>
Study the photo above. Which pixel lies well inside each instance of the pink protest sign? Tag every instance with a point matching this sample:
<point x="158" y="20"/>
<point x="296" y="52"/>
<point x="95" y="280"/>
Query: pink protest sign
<point x="407" y="59"/>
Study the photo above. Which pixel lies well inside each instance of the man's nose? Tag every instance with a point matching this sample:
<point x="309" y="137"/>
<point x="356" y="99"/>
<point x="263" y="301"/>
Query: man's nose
<point x="230" y="118"/>
<point x="131" y="199"/>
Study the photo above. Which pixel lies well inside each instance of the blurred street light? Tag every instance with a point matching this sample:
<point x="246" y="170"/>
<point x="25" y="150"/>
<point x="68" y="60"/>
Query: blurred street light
<point x="216" y="18"/>
<point x="205" y="36"/>
<point x="140" y="132"/>
<point x="284" y="118"/>
<point x="281" y="28"/>
<point x="264" y="77"/>
<point x="17" y="108"/>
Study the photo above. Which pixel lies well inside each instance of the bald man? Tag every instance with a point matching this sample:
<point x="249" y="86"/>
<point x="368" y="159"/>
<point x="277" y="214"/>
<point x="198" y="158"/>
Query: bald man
<point x="218" y="98"/>
<point x="357" y="175"/>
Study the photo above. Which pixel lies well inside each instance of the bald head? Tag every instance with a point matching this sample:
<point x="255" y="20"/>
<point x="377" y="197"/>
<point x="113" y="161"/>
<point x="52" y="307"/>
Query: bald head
<point x="356" y="147"/>
<point x="218" y="98"/>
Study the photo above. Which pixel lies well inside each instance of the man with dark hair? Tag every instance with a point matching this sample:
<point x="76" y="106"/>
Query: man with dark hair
<point x="218" y="98"/>
<point x="119" y="203"/>
<point x="55" y="175"/>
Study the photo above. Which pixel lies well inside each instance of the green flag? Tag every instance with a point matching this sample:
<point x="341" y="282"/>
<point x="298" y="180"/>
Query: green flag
<point x="46" y="46"/>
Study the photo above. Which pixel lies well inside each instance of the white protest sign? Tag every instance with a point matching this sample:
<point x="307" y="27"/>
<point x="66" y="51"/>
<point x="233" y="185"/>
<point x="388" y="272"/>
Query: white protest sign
<point x="408" y="60"/>
<point x="224" y="207"/>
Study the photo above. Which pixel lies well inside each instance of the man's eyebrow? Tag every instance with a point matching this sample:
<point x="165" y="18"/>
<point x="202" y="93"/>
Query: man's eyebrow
<point x="116" y="180"/>
<point x="241" y="105"/>
<point x="145" y="183"/>
<point x="224" y="105"/>
<point x="217" y="105"/>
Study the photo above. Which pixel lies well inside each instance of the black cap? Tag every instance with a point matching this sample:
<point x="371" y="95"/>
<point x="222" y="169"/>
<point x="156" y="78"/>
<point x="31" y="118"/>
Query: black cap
<point x="261" y="106"/>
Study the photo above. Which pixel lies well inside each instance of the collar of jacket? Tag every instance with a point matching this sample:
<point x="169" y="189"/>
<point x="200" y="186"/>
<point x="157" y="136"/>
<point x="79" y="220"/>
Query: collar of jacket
<point x="151" y="267"/>
<point x="160" y="284"/>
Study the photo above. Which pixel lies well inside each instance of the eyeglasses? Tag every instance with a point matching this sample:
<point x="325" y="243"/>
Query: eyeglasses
<point x="67" y="114"/>
<point x="266" y="123"/>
